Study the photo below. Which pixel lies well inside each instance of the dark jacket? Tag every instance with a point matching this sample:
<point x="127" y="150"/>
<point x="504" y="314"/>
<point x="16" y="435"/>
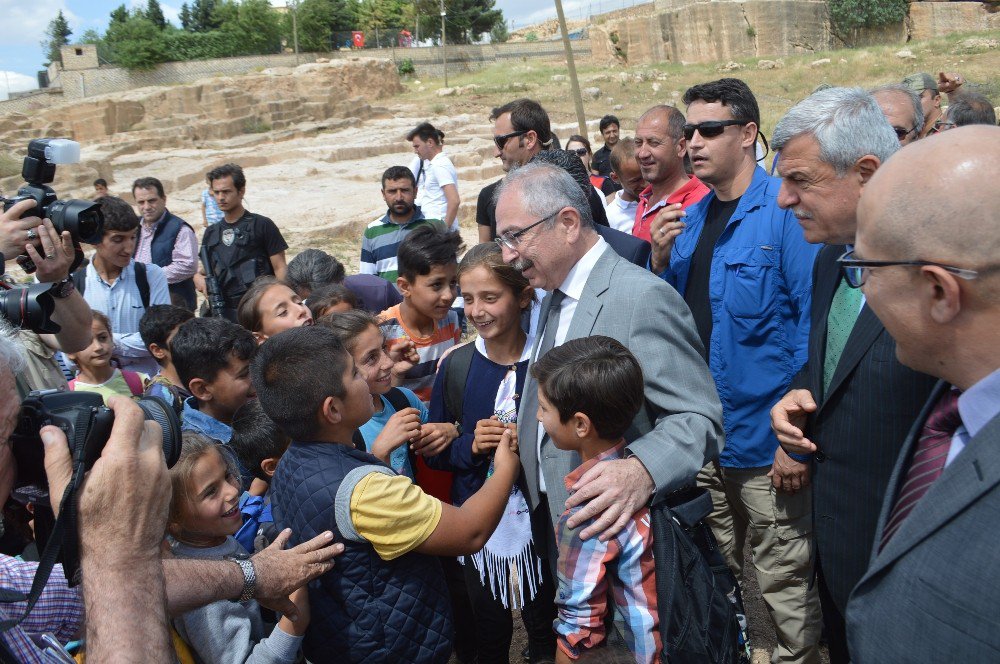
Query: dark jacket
<point x="162" y="253"/>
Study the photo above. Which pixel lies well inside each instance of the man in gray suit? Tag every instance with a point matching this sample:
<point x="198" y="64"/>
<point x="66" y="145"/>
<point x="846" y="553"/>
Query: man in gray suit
<point x="545" y="228"/>
<point x="928" y="256"/>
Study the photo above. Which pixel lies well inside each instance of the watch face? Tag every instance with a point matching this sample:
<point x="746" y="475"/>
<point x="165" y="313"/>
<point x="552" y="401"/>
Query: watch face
<point x="62" y="288"/>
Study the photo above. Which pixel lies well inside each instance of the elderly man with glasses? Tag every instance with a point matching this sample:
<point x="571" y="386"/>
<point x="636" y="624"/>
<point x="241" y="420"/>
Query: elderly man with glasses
<point x="546" y="231"/>
<point x="851" y="405"/>
<point x="744" y="268"/>
<point x="903" y="109"/>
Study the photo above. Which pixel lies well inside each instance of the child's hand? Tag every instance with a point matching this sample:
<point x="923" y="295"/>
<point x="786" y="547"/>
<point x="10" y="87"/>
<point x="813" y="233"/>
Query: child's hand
<point x="404" y="356"/>
<point x="506" y="459"/>
<point x="300" y="597"/>
<point x="487" y="435"/>
<point x="434" y="438"/>
<point x="402" y="427"/>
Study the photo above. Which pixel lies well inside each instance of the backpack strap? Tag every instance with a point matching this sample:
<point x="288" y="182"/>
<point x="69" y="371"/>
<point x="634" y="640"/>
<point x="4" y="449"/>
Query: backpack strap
<point x="397" y="399"/>
<point x="143" y="283"/>
<point x="456" y="374"/>
<point x="134" y="382"/>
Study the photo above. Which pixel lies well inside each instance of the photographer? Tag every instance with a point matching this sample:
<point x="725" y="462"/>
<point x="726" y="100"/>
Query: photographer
<point x="53" y="255"/>
<point x="127" y="589"/>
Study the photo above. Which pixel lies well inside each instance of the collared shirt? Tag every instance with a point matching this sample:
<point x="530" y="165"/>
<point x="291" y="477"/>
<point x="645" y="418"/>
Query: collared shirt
<point x="978" y="405"/>
<point x="193" y="419"/>
<point x="572" y="288"/>
<point x="621" y="213"/>
<point x="586" y="568"/>
<point x="381" y="240"/>
<point x="692" y="192"/>
<point x="183" y="259"/>
<point x="601" y="161"/>
<point x="213" y="213"/>
<point x="58" y="611"/>
<point x="760" y="291"/>
<point x="121" y="302"/>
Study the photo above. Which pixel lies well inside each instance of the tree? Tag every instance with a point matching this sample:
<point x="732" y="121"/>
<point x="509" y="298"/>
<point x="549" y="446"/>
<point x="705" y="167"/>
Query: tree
<point x="253" y="22"/>
<point x="318" y="20"/>
<point x="136" y="43"/>
<point x="154" y="13"/>
<point x="118" y="15"/>
<point x="847" y="16"/>
<point x="203" y="16"/>
<point x="56" y="36"/>
<point x="467" y="19"/>
<point x="499" y="34"/>
<point x="185" y="17"/>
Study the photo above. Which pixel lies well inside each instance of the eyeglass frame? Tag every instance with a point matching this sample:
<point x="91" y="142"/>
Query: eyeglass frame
<point x="501" y="140"/>
<point x="511" y="239"/>
<point x="848" y="263"/>
<point x="906" y="132"/>
<point x="580" y="151"/>
<point x="689" y="129"/>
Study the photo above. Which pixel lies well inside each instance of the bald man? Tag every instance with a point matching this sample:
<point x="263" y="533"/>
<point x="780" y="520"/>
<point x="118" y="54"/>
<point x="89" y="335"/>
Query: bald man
<point x="928" y="258"/>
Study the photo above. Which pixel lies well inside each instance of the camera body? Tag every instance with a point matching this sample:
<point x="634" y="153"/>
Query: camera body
<point x="83" y="219"/>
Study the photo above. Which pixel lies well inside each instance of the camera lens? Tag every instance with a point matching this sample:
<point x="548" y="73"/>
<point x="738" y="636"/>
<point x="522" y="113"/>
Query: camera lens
<point x="157" y="410"/>
<point x="83" y="219"/>
<point x="29" y="308"/>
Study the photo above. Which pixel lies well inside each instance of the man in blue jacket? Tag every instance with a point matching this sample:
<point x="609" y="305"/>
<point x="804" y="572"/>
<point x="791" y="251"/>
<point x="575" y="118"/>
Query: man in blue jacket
<point x="745" y="270"/>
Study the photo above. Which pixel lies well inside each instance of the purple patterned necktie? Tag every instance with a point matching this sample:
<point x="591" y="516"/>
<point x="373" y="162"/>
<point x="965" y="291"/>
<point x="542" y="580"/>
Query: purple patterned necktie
<point x="928" y="461"/>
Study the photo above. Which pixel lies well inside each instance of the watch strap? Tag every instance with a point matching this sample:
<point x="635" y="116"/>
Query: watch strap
<point x="249" y="579"/>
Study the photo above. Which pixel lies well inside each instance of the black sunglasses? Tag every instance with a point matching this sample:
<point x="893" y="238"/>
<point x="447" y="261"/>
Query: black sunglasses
<point x="710" y="128"/>
<point x="580" y="151"/>
<point x="502" y="139"/>
<point x="903" y="133"/>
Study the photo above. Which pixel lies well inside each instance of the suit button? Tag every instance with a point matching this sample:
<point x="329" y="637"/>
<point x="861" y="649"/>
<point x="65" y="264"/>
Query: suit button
<point x="819" y="457"/>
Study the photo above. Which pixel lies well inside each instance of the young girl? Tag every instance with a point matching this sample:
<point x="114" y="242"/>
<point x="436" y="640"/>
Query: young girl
<point x="269" y="307"/>
<point x="398" y="428"/>
<point x="479" y="385"/>
<point x="96" y="371"/>
<point x="204" y="516"/>
<point x="332" y="299"/>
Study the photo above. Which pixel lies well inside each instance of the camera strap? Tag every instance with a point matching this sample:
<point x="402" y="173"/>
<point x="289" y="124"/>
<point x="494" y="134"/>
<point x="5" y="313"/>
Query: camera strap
<point x="67" y="512"/>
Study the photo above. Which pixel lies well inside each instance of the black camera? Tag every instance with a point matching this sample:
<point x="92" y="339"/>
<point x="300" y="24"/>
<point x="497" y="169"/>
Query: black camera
<point x="87" y="424"/>
<point x="30" y="308"/>
<point x="83" y="219"/>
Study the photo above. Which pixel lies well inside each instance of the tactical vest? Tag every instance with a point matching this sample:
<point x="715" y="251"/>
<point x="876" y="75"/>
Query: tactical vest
<point x="244" y="265"/>
<point x="161" y="252"/>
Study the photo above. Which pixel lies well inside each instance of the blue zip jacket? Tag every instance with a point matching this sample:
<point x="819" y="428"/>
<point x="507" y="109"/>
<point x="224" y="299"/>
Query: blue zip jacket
<point x="760" y="288"/>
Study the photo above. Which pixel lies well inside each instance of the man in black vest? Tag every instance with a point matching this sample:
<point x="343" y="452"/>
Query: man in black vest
<point x="243" y="246"/>
<point x="166" y="240"/>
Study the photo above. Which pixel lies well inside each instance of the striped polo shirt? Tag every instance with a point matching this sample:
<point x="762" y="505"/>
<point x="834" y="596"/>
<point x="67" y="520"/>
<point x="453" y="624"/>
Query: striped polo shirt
<point x="381" y="241"/>
<point x="420" y="378"/>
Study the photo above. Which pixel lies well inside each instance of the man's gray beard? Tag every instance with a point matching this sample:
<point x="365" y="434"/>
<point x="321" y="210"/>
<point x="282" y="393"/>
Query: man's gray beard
<point x="522" y="264"/>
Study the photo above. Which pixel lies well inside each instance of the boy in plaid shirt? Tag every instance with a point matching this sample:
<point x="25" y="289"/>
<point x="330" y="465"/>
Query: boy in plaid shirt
<point x="589" y="390"/>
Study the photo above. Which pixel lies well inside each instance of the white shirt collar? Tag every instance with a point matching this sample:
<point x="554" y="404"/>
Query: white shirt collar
<point x="622" y="203"/>
<point x="572" y="285"/>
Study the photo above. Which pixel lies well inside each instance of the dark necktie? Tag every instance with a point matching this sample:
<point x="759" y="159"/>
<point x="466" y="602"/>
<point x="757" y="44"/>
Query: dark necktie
<point x="928" y="461"/>
<point x="551" y="324"/>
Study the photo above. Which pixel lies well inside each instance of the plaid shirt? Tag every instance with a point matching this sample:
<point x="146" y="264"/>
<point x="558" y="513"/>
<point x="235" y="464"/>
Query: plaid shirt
<point x="590" y="571"/>
<point x="59" y="610"/>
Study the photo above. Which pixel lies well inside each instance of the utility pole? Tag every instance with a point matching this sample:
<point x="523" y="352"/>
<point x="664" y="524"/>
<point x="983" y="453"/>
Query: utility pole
<point x="581" y="119"/>
<point x="295" y="30"/>
<point x="444" y="57"/>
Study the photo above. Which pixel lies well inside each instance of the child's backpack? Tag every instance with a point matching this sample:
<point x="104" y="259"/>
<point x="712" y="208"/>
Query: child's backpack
<point x="398" y="401"/>
<point x="702" y="620"/>
<point x="132" y="379"/>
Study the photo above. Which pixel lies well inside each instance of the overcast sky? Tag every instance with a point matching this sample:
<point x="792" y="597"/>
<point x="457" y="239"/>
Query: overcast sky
<point x="24" y="22"/>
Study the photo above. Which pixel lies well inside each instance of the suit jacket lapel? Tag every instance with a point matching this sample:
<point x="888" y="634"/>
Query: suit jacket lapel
<point x="590" y="304"/>
<point x="827" y="273"/>
<point x="863" y="335"/>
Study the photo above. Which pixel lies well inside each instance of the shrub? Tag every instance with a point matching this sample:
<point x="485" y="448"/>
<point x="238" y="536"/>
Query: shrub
<point x="847" y="16"/>
<point x="405" y="67"/>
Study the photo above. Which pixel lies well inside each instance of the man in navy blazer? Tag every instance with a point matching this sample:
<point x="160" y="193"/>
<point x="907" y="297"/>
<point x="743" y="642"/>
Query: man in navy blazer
<point x="928" y="256"/>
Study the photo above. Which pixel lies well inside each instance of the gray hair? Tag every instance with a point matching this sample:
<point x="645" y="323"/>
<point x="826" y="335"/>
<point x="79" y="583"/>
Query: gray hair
<point x="12" y="352"/>
<point x="846" y="122"/>
<point x="545" y="189"/>
<point x="918" y="109"/>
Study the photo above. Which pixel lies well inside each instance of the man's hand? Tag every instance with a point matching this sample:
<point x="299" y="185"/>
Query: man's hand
<point x="434" y="438"/>
<point x="279" y="572"/>
<point x="199" y="283"/>
<point x="15" y="232"/>
<point x="788" y="420"/>
<point x="663" y="230"/>
<point x="613" y="491"/>
<point x="787" y="474"/>
<point x="57" y="254"/>
<point x="949" y="82"/>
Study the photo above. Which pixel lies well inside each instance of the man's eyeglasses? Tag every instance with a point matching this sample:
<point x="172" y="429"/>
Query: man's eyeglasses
<point x="710" y="128"/>
<point x="511" y="239"/>
<point x="503" y="138"/>
<point x="901" y="133"/>
<point x="942" y="125"/>
<point x="856" y="269"/>
<point x="580" y="151"/>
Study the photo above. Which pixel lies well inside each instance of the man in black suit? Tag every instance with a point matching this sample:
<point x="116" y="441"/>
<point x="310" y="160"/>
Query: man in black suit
<point x="844" y="420"/>
<point x="927" y="253"/>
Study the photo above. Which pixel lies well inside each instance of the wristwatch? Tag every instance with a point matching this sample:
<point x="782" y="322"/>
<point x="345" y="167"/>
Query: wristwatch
<point x="249" y="578"/>
<point x="62" y="289"/>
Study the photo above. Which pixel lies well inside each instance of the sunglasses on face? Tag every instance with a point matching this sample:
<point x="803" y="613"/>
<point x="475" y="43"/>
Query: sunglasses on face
<point x="580" y="151"/>
<point x="503" y="138"/>
<point x="710" y="128"/>
<point x="901" y="133"/>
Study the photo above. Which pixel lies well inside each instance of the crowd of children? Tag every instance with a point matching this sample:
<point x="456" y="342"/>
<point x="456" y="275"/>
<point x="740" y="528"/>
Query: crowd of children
<point x="318" y="415"/>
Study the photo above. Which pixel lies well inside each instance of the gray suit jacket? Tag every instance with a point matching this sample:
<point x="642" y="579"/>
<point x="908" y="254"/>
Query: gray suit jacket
<point x="680" y="428"/>
<point x="931" y="594"/>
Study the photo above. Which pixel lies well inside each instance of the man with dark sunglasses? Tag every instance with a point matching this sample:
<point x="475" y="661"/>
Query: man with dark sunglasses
<point x="521" y="130"/>
<point x="744" y="268"/>
<point x="847" y="413"/>
<point x="902" y="108"/>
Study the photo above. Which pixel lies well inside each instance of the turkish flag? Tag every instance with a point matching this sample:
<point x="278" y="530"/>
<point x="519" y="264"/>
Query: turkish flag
<point x="358" y="39"/>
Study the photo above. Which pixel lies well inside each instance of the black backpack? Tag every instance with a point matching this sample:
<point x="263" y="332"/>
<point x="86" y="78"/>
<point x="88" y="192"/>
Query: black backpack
<point x="702" y="620"/>
<point x="80" y="282"/>
<point x="398" y="401"/>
